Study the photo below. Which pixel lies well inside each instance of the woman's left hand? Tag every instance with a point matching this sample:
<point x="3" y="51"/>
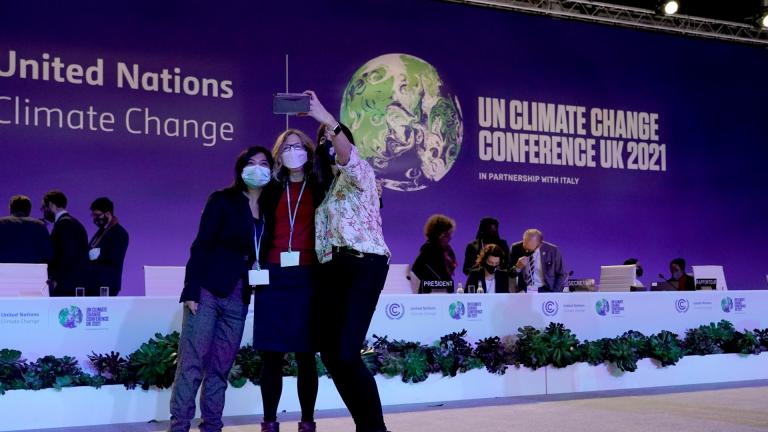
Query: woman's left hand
<point x="317" y="111"/>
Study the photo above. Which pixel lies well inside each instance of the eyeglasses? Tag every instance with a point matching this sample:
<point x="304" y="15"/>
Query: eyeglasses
<point x="289" y="147"/>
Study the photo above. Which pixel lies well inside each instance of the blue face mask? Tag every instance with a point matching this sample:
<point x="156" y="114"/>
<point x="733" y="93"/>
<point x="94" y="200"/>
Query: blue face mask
<point x="255" y="176"/>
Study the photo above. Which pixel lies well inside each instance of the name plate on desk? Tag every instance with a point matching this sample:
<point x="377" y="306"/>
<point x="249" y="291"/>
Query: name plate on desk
<point x="581" y="285"/>
<point x="706" y="284"/>
<point x="428" y="285"/>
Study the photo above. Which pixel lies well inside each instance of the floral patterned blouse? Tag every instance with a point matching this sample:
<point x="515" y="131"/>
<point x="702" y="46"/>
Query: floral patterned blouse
<point x="350" y="216"/>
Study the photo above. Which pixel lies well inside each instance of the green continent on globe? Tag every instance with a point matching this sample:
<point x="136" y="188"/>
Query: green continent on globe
<point x="404" y="120"/>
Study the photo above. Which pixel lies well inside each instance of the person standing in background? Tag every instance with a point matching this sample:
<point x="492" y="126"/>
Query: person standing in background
<point x="68" y="269"/>
<point x="23" y="240"/>
<point x="436" y="261"/>
<point x="487" y="233"/>
<point x="107" y="248"/>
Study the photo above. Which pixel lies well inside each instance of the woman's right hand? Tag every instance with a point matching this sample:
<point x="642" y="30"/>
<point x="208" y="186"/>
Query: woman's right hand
<point x="192" y="305"/>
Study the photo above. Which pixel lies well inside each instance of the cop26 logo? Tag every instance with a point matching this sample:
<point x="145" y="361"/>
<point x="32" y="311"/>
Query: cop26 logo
<point x="457" y="310"/>
<point x="550" y="308"/>
<point x="726" y="304"/>
<point x="70" y="317"/>
<point x="395" y="311"/>
<point x="602" y="307"/>
<point x="682" y="305"/>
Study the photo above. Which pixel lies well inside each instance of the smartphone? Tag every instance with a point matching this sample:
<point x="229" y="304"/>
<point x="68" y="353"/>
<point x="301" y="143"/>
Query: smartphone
<point x="290" y="103"/>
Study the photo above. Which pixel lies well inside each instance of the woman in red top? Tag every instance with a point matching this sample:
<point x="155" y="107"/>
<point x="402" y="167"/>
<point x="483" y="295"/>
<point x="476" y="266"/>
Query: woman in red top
<point x="284" y="309"/>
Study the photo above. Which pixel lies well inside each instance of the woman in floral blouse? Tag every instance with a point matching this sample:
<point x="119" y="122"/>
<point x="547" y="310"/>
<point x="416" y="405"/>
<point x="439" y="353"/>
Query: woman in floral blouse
<point x="350" y="245"/>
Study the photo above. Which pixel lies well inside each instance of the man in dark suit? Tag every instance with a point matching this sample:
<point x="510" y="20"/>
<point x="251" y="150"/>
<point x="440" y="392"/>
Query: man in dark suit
<point x="537" y="265"/>
<point x="107" y="248"/>
<point x="68" y="269"/>
<point x="23" y="239"/>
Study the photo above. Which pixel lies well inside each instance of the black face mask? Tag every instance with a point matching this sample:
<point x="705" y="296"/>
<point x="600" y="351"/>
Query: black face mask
<point x="101" y="222"/>
<point x="489" y="268"/>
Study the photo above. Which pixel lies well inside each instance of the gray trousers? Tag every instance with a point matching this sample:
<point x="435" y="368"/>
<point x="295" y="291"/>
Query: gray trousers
<point x="209" y="342"/>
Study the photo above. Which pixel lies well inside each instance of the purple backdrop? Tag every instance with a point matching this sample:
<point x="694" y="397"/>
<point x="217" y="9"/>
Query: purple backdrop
<point x="709" y="206"/>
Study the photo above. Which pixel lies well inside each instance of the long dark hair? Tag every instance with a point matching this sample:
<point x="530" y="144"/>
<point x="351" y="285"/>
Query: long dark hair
<point x="485" y="223"/>
<point x="242" y="162"/>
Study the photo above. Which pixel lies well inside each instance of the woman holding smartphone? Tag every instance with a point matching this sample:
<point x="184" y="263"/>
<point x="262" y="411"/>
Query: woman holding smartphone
<point x="355" y="258"/>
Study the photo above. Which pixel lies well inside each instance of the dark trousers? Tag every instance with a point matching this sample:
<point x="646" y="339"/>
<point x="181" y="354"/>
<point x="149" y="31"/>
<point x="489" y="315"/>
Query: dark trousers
<point x="350" y="291"/>
<point x="208" y="344"/>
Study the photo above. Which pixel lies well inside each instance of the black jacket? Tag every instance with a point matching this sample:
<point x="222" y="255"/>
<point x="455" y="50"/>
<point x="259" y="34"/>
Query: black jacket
<point x="473" y="250"/>
<point x="69" y="265"/>
<point x="107" y="269"/>
<point x="551" y="261"/>
<point x="24" y="240"/>
<point x="430" y="266"/>
<point x="477" y="275"/>
<point x="224" y="249"/>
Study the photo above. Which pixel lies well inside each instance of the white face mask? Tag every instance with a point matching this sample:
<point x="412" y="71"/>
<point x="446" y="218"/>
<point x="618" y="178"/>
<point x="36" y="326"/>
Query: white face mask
<point x="255" y="176"/>
<point x="293" y="159"/>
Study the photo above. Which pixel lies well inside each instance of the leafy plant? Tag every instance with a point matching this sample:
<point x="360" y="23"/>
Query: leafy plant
<point x="638" y="342"/>
<point x="621" y="352"/>
<point x="411" y="360"/>
<point x="12" y="370"/>
<point x="531" y="349"/>
<point x="453" y="354"/>
<point x="112" y="367"/>
<point x="665" y="347"/>
<point x="747" y="342"/>
<point x="711" y="339"/>
<point x="593" y="352"/>
<point x="249" y="363"/>
<point x="154" y="363"/>
<point x="57" y="372"/>
<point x="371" y="360"/>
<point x="491" y="352"/>
<point x="762" y="336"/>
<point x="562" y="345"/>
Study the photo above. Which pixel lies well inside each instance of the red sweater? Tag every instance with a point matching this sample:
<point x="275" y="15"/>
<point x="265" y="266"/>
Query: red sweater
<point x="303" y="230"/>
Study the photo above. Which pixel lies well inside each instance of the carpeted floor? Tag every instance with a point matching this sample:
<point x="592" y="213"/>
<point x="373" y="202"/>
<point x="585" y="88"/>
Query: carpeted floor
<point x="694" y="409"/>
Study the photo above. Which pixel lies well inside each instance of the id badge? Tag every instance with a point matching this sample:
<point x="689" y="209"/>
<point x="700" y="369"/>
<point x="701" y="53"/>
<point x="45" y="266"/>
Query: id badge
<point x="258" y="277"/>
<point x="289" y="259"/>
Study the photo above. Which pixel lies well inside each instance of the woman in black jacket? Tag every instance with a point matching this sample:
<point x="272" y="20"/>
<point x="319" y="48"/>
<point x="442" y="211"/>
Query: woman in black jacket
<point x="436" y="263"/>
<point x="216" y="291"/>
<point x="488" y="272"/>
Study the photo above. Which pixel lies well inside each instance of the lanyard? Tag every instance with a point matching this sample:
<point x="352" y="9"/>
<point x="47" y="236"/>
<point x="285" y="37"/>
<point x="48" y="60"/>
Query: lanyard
<point x="292" y="215"/>
<point x="257" y="236"/>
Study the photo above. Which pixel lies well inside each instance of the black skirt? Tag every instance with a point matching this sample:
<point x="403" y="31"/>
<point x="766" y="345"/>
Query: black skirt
<point x="284" y="312"/>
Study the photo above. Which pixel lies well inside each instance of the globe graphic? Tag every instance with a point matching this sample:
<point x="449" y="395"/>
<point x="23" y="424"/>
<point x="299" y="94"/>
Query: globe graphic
<point x="406" y="123"/>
